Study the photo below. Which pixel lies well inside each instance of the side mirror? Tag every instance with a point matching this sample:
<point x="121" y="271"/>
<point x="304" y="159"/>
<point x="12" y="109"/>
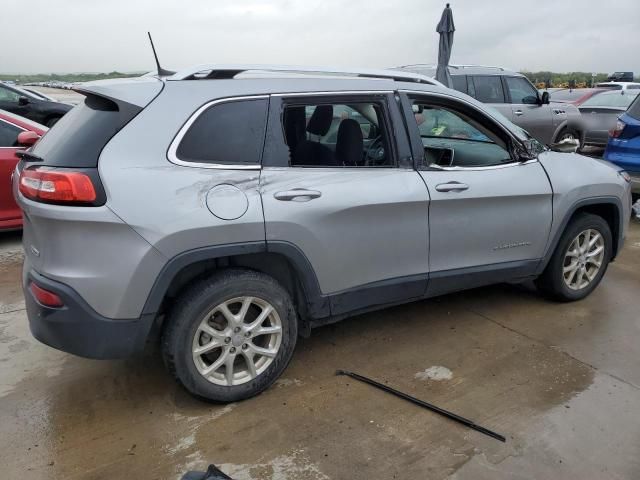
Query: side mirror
<point x="22" y="100"/>
<point x="568" y="145"/>
<point x="26" y="139"/>
<point x="545" y="98"/>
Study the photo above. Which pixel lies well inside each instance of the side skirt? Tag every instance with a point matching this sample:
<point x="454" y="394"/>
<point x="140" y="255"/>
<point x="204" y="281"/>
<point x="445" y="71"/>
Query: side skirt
<point x="398" y="291"/>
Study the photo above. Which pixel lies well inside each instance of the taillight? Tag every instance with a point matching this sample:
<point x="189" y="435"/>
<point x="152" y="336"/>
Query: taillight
<point x="45" y="297"/>
<point x="617" y="131"/>
<point x="57" y="186"/>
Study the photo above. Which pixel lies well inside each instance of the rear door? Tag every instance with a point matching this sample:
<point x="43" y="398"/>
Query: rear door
<point x="490" y="90"/>
<point x="490" y="214"/>
<point x="527" y="110"/>
<point x="353" y="204"/>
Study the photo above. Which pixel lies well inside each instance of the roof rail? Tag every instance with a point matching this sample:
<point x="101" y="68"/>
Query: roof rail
<point x="502" y="69"/>
<point x="453" y="65"/>
<point x="201" y="72"/>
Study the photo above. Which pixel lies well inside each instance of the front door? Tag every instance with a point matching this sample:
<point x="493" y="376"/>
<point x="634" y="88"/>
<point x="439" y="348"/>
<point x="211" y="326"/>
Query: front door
<point x="528" y="112"/>
<point x="337" y="186"/>
<point x="490" y="214"/>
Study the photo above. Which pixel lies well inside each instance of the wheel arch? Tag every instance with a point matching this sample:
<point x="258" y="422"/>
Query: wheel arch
<point x="564" y="125"/>
<point x="608" y="208"/>
<point x="282" y="260"/>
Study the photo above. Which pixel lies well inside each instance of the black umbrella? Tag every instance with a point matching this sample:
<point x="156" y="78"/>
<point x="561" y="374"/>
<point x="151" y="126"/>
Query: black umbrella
<point x="445" y="28"/>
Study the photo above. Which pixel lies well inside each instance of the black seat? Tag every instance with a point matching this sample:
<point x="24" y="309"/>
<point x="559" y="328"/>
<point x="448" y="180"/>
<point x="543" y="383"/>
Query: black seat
<point x="349" y="146"/>
<point x="313" y="153"/>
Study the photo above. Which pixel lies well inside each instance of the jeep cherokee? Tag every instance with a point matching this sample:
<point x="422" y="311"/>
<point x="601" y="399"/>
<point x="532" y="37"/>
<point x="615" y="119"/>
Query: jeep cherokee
<point x="233" y="208"/>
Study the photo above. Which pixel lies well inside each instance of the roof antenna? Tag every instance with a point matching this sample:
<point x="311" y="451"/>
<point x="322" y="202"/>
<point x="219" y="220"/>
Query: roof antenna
<point x="161" y="71"/>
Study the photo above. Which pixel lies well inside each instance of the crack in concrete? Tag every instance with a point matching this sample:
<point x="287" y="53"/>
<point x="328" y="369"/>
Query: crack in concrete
<point x="554" y="347"/>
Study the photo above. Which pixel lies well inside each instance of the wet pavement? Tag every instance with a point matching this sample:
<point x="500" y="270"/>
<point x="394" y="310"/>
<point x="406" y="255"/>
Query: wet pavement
<point x="560" y="381"/>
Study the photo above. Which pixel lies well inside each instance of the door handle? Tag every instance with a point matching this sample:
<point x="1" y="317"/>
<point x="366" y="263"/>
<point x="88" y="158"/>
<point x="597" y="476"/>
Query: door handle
<point x="518" y="113"/>
<point x="297" y="195"/>
<point x="452" y="187"/>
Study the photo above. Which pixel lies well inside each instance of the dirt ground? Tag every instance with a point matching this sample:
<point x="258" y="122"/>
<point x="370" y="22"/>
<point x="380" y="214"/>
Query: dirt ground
<point x="560" y="381"/>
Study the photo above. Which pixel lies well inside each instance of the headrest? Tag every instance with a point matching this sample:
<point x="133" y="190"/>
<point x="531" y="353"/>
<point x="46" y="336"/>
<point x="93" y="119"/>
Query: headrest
<point x="320" y="120"/>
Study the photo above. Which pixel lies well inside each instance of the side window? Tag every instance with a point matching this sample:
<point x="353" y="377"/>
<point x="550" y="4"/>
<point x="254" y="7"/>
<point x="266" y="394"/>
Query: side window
<point x="8" y="134"/>
<point x="7" y="95"/>
<point x="488" y="88"/>
<point x="451" y="138"/>
<point x="230" y="133"/>
<point x="459" y="83"/>
<point x="521" y="91"/>
<point x="336" y="134"/>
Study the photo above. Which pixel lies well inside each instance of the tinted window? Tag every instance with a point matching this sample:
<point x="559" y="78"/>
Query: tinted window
<point x="8" y="134"/>
<point x="488" y="89"/>
<point x="79" y="137"/>
<point x="453" y="139"/>
<point x="337" y="135"/>
<point x="611" y="86"/>
<point x="521" y="91"/>
<point x="229" y="133"/>
<point x="460" y="83"/>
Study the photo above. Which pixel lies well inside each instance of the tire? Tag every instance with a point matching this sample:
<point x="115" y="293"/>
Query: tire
<point x="552" y="282"/>
<point x="567" y="133"/>
<point x="52" y="121"/>
<point x="204" y="299"/>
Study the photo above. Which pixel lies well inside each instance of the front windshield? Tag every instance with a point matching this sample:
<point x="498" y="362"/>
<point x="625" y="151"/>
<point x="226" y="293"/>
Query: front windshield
<point x="533" y="145"/>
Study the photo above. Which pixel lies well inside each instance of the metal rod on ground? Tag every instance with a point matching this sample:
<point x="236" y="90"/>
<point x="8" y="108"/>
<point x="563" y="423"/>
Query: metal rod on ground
<point x="424" y="404"/>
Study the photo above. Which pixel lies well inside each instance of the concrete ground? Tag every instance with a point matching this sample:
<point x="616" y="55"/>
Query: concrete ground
<point x="560" y="381"/>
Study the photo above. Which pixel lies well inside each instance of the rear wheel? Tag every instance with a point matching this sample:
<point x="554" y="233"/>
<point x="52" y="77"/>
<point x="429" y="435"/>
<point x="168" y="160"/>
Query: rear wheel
<point x="229" y="337"/>
<point x="580" y="259"/>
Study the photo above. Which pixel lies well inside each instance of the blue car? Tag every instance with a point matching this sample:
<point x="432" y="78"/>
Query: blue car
<point x="623" y="147"/>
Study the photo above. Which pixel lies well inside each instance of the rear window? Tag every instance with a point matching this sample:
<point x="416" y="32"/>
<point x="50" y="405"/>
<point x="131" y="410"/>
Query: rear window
<point x="634" y="108"/>
<point x="77" y="139"/>
<point x="611" y="86"/>
<point x="229" y="133"/>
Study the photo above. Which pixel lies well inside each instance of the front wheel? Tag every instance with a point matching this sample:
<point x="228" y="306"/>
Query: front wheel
<point x="580" y="259"/>
<point x="230" y="336"/>
<point x="567" y="134"/>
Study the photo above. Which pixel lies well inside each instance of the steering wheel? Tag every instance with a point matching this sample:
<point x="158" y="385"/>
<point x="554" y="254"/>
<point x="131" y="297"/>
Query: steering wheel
<point x="375" y="153"/>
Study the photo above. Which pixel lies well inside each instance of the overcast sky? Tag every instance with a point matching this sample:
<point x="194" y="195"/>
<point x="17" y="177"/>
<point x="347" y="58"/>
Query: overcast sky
<point x="106" y="35"/>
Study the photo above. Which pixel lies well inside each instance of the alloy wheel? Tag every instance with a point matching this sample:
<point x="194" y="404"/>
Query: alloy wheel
<point x="583" y="259"/>
<point x="237" y="340"/>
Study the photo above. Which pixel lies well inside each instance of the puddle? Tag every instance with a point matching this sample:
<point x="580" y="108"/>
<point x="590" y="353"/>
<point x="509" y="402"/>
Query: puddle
<point x="436" y="373"/>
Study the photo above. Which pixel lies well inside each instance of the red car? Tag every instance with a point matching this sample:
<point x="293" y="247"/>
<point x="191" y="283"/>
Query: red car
<point x="16" y="133"/>
<point x="576" y="96"/>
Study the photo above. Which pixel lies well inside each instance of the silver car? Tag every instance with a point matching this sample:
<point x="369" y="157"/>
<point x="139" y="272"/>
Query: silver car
<point x="600" y="114"/>
<point x="228" y="210"/>
<point x="515" y="97"/>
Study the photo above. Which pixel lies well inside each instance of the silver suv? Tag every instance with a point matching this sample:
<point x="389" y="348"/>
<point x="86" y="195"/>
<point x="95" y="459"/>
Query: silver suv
<point x="513" y="95"/>
<point x="230" y="210"/>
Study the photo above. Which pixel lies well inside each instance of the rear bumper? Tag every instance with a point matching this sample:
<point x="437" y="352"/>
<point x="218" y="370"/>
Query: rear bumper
<point x="76" y="328"/>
